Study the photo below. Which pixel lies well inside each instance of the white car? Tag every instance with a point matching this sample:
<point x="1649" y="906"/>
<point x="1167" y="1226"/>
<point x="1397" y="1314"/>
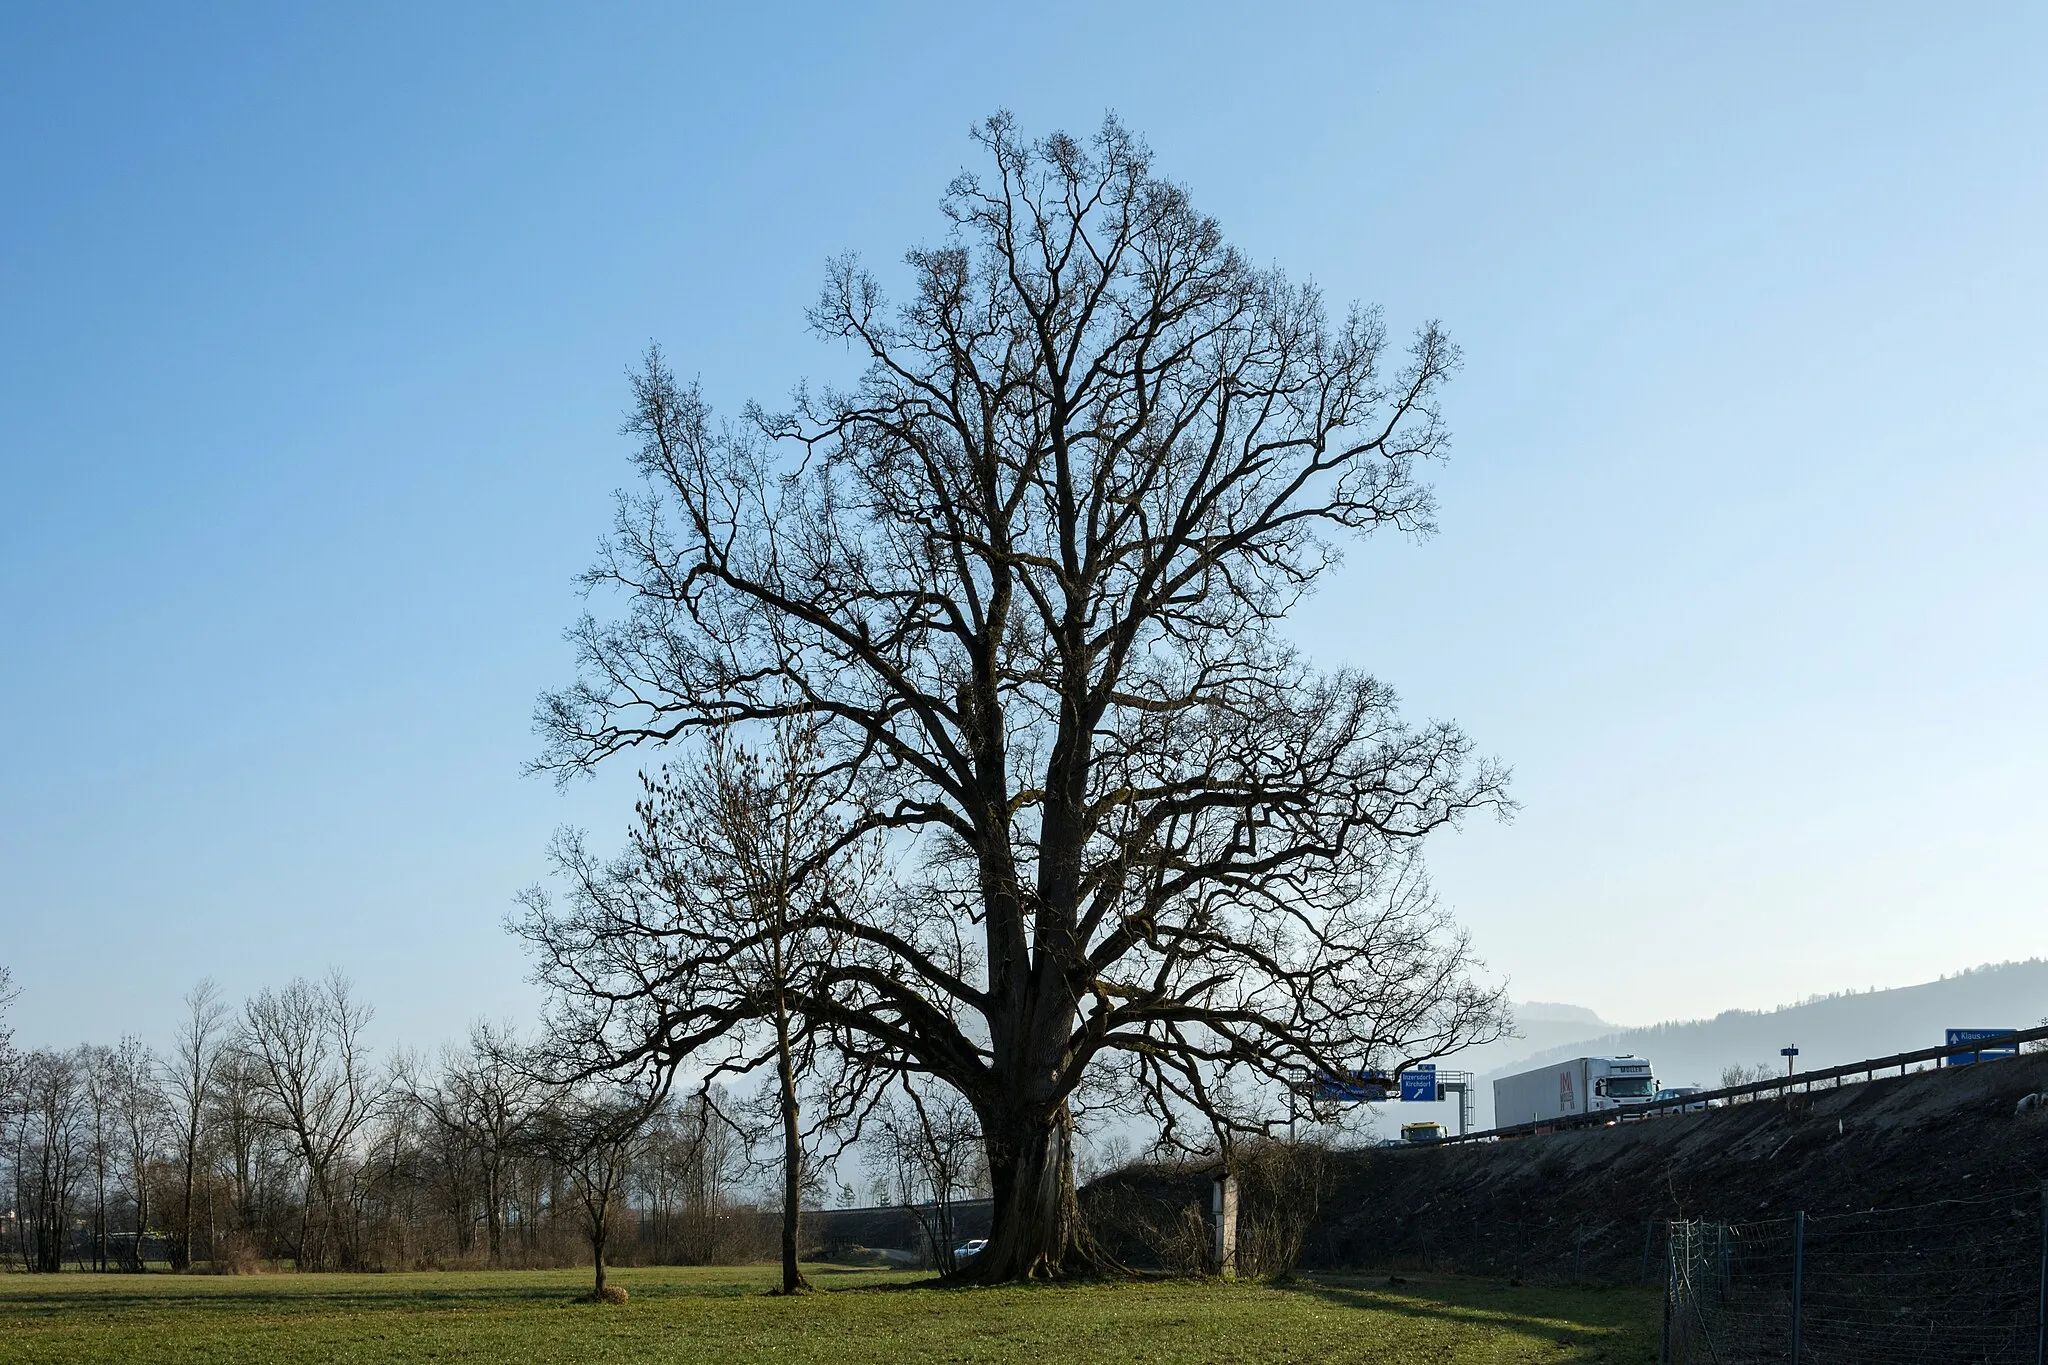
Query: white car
<point x="967" y="1249"/>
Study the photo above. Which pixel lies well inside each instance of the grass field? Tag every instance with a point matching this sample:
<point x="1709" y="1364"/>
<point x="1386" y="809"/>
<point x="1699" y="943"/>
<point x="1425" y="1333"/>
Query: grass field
<point x="722" y="1315"/>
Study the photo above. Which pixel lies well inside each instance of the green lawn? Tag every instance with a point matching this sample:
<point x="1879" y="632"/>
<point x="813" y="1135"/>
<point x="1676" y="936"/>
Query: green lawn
<point x="721" y="1315"/>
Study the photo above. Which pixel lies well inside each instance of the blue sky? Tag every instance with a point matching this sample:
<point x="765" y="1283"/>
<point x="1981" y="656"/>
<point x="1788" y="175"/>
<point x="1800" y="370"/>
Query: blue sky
<point x="312" y="337"/>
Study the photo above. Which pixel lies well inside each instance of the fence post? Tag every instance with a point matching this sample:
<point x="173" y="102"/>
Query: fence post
<point x="1798" y="1275"/>
<point x="1721" y="1272"/>
<point x="2041" y="1304"/>
<point x="1670" y="1288"/>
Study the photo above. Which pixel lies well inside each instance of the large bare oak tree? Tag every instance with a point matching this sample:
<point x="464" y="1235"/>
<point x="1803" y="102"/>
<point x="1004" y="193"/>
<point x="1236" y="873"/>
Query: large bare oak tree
<point x="1024" y="579"/>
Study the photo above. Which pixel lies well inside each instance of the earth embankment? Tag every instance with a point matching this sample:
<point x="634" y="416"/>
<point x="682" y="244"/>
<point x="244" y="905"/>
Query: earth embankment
<point x="1588" y="1204"/>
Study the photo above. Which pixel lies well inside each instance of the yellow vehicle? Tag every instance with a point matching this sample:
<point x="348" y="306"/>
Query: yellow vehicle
<point x="1422" y="1132"/>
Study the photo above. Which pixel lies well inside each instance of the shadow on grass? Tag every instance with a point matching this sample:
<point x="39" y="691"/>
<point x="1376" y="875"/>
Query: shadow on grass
<point x="290" y="1301"/>
<point x="291" y="1295"/>
<point x="1589" y="1324"/>
<point x="869" y="1271"/>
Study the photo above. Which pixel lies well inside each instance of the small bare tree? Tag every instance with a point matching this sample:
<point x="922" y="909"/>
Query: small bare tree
<point x="50" y="1143"/>
<point x="316" y="1084"/>
<point x="691" y="1157"/>
<point x="95" y="1066"/>
<point x="1739" y="1074"/>
<point x="926" y="1151"/>
<point x="143" y="1112"/>
<point x="590" y="1131"/>
<point x="246" y="1146"/>
<point x="190" y="1079"/>
<point x="481" y="1097"/>
<point x="1282" y="1186"/>
<point x="740" y="872"/>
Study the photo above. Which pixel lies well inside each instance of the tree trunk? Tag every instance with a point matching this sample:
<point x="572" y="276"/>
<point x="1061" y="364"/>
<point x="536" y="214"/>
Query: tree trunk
<point x="313" y="1222"/>
<point x="1038" y="1232"/>
<point x="494" y="1210"/>
<point x="99" y="1224"/>
<point x="793" y="1281"/>
<point x="494" y="1198"/>
<point x="598" y="1229"/>
<point x="141" y="1207"/>
<point x="185" y="1236"/>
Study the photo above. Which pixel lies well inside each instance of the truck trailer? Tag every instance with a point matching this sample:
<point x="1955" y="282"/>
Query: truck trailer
<point x="1583" y="1085"/>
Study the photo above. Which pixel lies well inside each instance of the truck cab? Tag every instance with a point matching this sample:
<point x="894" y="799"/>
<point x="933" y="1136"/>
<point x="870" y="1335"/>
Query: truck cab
<point x="1618" y="1082"/>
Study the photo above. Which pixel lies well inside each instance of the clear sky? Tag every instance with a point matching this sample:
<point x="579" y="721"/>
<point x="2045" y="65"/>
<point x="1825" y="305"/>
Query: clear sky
<point x="313" y="326"/>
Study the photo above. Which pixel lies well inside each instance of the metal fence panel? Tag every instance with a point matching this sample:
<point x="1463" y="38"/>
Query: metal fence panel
<point x="1960" y="1282"/>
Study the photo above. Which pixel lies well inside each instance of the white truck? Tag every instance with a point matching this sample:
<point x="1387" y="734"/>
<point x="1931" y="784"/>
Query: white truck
<point x="1583" y="1085"/>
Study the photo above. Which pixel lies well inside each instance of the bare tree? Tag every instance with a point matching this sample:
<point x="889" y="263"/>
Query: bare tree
<point x="190" y="1079"/>
<point x="314" y="1078"/>
<point x="143" y="1113"/>
<point x="243" y="1142"/>
<point x="590" y="1133"/>
<point x="9" y="1062"/>
<point x="95" y="1069"/>
<point x="1739" y="1074"/>
<point x="482" y="1096"/>
<point x="7" y="998"/>
<point x="751" y="837"/>
<point x="739" y="870"/>
<point x="1024" y="578"/>
<point x="926" y="1149"/>
<point x="50" y="1138"/>
<point x="691" y="1156"/>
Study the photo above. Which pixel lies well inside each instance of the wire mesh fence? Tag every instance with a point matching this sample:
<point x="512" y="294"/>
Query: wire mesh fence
<point x="1962" y="1281"/>
<point x="1594" y="1249"/>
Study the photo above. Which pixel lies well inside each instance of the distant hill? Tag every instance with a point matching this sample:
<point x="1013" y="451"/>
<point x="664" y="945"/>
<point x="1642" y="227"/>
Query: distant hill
<point x="1541" y="1027"/>
<point x="1545" y="1012"/>
<point x="1829" y="1030"/>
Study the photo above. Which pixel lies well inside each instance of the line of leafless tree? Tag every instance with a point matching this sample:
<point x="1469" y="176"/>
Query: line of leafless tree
<point x="270" y="1135"/>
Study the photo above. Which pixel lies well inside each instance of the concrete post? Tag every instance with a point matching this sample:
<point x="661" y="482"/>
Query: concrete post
<point x="1223" y="1220"/>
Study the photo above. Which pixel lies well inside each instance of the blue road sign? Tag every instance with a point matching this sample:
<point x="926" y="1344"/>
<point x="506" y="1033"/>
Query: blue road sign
<point x="1354" y="1087"/>
<point x="1419" y="1083"/>
<point x="1982" y="1054"/>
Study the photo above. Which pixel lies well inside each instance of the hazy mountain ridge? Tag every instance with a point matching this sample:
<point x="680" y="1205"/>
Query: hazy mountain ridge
<point x="1829" y="1030"/>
